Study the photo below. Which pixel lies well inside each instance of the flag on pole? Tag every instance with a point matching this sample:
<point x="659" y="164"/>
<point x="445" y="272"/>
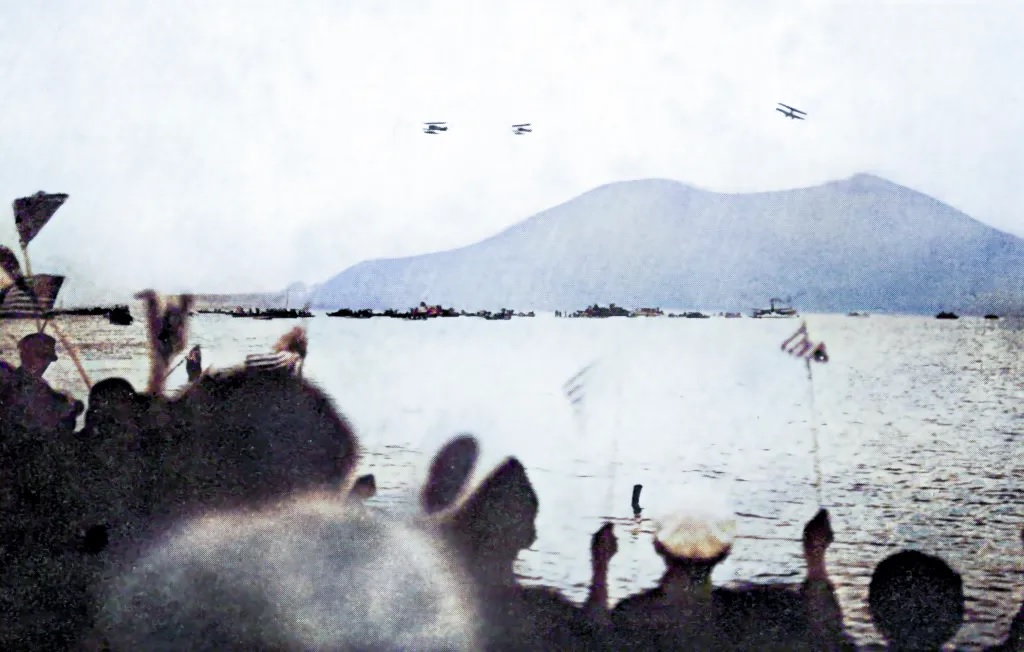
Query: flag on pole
<point x="32" y="213"/>
<point x="574" y="387"/>
<point x="799" y="344"/>
<point x="279" y="361"/>
<point x="33" y="296"/>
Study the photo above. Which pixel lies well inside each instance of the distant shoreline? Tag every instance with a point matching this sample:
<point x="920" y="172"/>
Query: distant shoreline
<point x="635" y="313"/>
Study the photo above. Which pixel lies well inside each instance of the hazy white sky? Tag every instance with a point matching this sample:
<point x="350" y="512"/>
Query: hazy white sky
<point x="238" y="145"/>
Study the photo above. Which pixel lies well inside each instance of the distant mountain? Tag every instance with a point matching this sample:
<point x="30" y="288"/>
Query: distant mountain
<point x="862" y="243"/>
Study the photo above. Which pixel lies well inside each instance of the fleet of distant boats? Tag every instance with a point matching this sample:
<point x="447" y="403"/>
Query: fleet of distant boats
<point x="18" y="308"/>
<point x="271" y="313"/>
<point x="953" y="315"/>
<point x="33" y="295"/>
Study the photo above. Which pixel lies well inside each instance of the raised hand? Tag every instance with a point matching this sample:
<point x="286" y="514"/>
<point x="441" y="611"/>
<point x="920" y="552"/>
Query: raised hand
<point x="818" y="535"/>
<point x="604" y="544"/>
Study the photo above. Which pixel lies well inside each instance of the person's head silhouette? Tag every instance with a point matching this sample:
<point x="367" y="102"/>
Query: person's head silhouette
<point x="916" y="600"/>
<point x="691" y="544"/>
<point x="37" y="351"/>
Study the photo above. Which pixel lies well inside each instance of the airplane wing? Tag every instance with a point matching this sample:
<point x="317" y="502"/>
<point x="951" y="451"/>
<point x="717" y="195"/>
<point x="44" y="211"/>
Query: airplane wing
<point x="792" y="108"/>
<point x="782" y="111"/>
<point x="798" y="117"/>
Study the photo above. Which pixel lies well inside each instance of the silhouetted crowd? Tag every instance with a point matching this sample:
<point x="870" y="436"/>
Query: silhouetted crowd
<point x="229" y="516"/>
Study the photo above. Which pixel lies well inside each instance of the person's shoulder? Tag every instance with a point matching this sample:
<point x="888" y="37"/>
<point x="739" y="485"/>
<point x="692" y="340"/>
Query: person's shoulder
<point x="543" y="594"/>
<point x="636" y="602"/>
<point x="17" y="375"/>
<point x="6" y="376"/>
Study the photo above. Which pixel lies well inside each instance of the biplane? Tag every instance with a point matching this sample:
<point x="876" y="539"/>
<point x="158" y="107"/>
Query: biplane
<point x="524" y="128"/>
<point x="434" y="127"/>
<point x="790" y="112"/>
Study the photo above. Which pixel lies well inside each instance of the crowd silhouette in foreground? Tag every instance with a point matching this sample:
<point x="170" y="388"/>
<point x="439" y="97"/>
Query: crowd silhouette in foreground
<point x="229" y="516"/>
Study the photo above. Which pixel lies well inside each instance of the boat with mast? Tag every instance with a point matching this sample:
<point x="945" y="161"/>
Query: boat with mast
<point x="774" y="312"/>
<point x="28" y="295"/>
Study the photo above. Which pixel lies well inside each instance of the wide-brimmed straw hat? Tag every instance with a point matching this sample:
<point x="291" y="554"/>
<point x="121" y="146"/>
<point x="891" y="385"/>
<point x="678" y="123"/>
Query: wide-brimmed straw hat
<point x="695" y="536"/>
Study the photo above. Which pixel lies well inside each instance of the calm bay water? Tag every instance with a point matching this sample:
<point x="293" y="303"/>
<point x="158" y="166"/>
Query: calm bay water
<point x="920" y="424"/>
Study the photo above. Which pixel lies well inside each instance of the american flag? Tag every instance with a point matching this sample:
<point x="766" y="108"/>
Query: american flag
<point x="799" y="344"/>
<point x="16" y="302"/>
<point x="32" y="213"/>
<point x="575" y="385"/>
<point x="281" y="360"/>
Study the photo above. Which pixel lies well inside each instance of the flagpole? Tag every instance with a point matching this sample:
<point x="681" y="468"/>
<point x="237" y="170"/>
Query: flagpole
<point x="800" y="345"/>
<point x="29" y="283"/>
<point x="814" y="434"/>
<point x="615" y="444"/>
<point x="581" y="431"/>
<point x="575" y="391"/>
<point x="28" y="226"/>
<point x="172" y="369"/>
<point x="73" y="352"/>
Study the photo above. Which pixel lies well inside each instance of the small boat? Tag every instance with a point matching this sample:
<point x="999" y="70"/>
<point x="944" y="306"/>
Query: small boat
<point x="273" y="313"/>
<point x="120" y="316"/>
<point x="947" y="315"/>
<point x="364" y="313"/>
<point x="499" y="316"/>
<point x="991" y="316"/>
<point x="733" y="315"/>
<point x="774" y="312"/>
<point x="647" y="312"/>
<point x="857" y="314"/>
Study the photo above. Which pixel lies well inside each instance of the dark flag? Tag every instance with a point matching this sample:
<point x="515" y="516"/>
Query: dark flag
<point x="32" y="213"/>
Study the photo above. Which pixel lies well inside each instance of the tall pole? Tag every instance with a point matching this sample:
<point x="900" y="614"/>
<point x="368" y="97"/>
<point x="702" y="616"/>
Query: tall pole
<point x="815" y="453"/>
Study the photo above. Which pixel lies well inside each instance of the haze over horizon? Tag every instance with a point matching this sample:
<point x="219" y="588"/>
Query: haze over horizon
<point x="263" y="145"/>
